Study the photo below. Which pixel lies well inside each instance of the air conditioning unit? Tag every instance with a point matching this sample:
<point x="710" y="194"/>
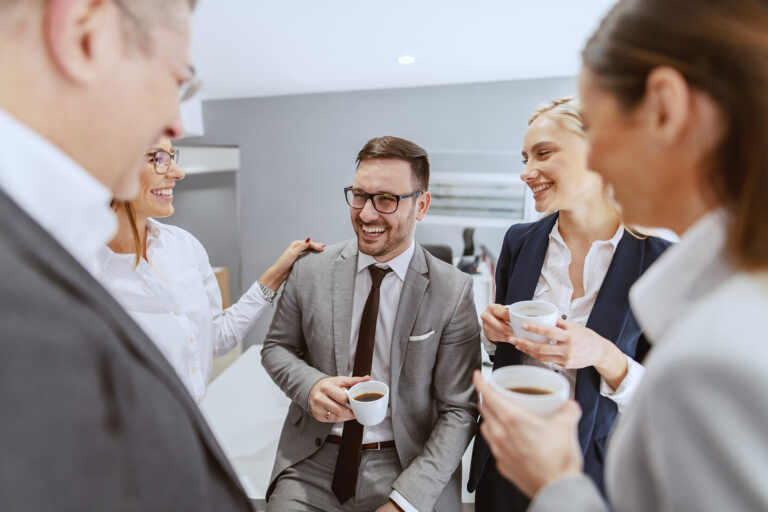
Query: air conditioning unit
<point x="479" y="199"/>
<point x="207" y="159"/>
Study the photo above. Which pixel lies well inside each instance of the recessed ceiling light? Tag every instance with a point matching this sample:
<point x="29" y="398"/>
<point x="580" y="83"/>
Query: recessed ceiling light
<point x="406" y="59"/>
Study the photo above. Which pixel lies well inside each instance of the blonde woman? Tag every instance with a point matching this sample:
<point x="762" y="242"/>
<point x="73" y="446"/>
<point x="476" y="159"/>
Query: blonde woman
<point x="583" y="260"/>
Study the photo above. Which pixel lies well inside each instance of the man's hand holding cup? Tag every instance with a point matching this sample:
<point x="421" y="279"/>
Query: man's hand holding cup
<point x="328" y="399"/>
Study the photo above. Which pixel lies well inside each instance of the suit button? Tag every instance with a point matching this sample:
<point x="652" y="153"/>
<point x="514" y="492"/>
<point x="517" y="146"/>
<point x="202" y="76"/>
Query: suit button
<point x="318" y="441"/>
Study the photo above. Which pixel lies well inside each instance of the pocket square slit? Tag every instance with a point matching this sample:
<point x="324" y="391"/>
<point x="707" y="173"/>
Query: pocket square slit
<point x="421" y="337"/>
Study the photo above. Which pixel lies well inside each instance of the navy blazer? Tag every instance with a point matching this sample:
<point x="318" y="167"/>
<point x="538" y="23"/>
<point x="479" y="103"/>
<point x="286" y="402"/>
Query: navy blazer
<point x="517" y="273"/>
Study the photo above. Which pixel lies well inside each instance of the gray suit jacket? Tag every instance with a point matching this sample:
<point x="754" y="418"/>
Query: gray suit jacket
<point x="432" y="398"/>
<point x="93" y="417"/>
<point x="695" y="437"/>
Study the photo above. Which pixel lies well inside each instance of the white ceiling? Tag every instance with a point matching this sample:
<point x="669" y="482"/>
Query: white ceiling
<point x="245" y="48"/>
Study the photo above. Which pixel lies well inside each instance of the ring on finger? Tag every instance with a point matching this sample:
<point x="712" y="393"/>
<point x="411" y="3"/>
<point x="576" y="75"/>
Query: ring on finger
<point x="328" y="415"/>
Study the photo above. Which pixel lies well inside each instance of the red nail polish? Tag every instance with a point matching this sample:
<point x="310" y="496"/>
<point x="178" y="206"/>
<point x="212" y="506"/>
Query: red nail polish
<point x="307" y="240"/>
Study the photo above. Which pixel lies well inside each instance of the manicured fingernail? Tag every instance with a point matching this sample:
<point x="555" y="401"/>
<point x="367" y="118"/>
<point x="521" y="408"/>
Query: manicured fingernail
<point x="307" y="240"/>
<point x="526" y="326"/>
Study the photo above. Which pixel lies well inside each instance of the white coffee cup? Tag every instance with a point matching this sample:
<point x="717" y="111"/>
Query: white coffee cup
<point x="554" y="388"/>
<point x="369" y="413"/>
<point x="536" y="312"/>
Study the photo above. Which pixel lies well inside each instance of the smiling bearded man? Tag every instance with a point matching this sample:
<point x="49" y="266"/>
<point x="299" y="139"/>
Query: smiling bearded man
<point x="378" y="306"/>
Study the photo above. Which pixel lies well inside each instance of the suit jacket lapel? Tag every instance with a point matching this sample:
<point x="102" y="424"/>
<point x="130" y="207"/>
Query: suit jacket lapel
<point x="414" y="288"/>
<point x="45" y="253"/>
<point x="524" y="278"/>
<point x="344" y="271"/>
<point x="608" y="316"/>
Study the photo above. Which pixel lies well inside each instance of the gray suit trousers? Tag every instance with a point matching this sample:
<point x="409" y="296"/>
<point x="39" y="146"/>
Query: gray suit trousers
<point x="306" y="486"/>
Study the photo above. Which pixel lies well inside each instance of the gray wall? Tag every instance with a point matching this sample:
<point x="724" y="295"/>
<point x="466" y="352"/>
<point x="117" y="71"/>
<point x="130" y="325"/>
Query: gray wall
<point x="297" y="153"/>
<point x="206" y="205"/>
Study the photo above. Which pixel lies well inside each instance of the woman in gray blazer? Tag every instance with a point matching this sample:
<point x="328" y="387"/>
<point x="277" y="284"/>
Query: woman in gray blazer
<point x="674" y="99"/>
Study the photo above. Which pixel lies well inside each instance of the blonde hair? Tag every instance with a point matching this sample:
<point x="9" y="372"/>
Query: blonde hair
<point x="566" y="111"/>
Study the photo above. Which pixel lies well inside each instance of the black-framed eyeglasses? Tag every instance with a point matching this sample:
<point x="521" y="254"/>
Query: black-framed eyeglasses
<point x="382" y="202"/>
<point x="189" y="87"/>
<point x="162" y="159"/>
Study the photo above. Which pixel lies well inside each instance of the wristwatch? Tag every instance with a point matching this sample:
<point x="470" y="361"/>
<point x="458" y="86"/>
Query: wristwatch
<point x="269" y="293"/>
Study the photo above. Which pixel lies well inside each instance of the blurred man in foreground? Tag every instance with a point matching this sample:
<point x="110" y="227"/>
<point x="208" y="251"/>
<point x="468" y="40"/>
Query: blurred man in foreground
<point x="94" y="418"/>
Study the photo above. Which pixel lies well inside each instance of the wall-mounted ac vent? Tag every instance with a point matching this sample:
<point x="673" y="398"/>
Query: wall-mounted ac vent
<point x="479" y="199"/>
<point x="207" y="159"/>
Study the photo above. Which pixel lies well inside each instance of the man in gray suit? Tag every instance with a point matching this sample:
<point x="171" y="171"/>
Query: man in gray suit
<point x="93" y="417"/>
<point x="382" y="306"/>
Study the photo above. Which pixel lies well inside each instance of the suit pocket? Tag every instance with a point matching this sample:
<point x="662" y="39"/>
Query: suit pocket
<point x="421" y="337"/>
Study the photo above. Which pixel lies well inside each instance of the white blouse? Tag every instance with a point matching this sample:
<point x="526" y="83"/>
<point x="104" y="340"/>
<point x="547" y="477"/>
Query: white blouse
<point x="555" y="287"/>
<point x="175" y="298"/>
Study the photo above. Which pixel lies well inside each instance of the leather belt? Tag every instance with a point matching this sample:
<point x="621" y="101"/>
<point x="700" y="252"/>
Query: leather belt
<point x="366" y="446"/>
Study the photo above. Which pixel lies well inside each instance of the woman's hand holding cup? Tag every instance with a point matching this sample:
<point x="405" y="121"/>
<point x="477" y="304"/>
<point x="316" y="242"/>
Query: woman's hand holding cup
<point x="532" y="312"/>
<point x="495" y="324"/>
<point x="530" y="450"/>
<point x="504" y="323"/>
<point x="576" y="347"/>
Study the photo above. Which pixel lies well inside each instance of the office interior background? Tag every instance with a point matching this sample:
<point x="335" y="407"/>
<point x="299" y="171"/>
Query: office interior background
<point x="294" y="89"/>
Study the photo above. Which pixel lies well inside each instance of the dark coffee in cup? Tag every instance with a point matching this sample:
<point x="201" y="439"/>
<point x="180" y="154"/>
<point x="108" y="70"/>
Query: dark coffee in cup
<point x="368" y="397"/>
<point x="530" y="391"/>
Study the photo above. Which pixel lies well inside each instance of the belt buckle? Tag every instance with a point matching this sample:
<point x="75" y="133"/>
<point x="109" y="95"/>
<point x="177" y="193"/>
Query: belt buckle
<point x="377" y="449"/>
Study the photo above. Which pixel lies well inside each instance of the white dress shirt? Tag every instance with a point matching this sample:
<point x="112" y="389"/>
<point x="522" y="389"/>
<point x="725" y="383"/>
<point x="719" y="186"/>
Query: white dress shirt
<point x="174" y="296"/>
<point x="555" y="287"/>
<point x="389" y="299"/>
<point x="53" y="189"/>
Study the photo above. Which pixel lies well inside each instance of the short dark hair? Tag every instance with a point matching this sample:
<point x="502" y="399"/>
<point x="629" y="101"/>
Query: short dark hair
<point x="720" y="48"/>
<point x="400" y="149"/>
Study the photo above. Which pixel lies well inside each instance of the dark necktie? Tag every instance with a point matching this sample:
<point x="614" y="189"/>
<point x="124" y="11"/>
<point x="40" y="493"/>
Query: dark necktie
<point x="348" y="461"/>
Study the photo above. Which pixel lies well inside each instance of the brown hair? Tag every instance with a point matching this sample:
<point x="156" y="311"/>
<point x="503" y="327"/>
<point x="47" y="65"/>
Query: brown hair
<point x="721" y="48"/>
<point x="131" y="214"/>
<point x="401" y="149"/>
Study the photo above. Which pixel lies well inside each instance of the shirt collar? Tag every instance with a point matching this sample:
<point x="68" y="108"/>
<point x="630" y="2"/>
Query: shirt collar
<point x="55" y="191"/>
<point x="399" y="264"/>
<point x="153" y="231"/>
<point x="614" y="241"/>
<point x="681" y="276"/>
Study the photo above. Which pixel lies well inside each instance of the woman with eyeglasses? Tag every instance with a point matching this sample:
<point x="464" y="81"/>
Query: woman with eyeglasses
<point x="583" y="260"/>
<point x="161" y="275"/>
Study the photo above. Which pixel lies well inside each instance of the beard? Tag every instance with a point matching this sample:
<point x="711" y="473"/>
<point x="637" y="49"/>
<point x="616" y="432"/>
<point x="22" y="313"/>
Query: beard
<point x="390" y="242"/>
